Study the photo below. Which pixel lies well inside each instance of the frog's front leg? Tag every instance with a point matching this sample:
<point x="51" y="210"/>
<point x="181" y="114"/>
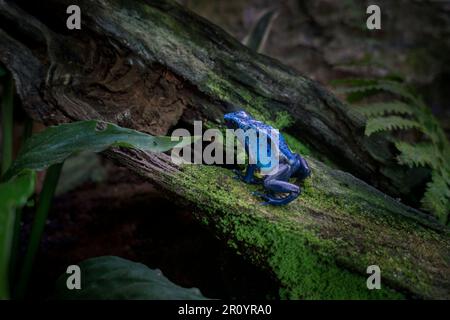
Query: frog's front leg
<point x="278" y="183"/>
<point x="249" y="176"/>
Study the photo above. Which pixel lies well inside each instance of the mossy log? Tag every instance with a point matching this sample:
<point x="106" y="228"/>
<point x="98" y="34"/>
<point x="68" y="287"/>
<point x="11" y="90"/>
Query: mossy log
<point x="320" y="245"/>
<point x="152" y="65"/>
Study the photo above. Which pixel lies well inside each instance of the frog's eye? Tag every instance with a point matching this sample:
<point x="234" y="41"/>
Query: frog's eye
<point x="243" y="114"/>
<point x="230" y="123"/>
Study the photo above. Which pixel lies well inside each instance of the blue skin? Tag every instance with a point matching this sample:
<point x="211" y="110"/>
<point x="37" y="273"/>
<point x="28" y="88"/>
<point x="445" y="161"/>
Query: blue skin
<point x="290" y="164"/>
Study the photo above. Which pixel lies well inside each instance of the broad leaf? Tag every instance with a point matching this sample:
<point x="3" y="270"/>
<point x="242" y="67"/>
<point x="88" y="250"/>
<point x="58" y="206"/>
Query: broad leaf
<point x="78" y="169"/>
<point x="13" y="195"/>
<point x="114" y="278"/>
<point x="57" y="143"/>
<point x="258" y="35"/>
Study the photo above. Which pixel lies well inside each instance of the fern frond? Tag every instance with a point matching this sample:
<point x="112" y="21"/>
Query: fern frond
<point x="371" y="87"/>
<point x="410" y="111"/>
<point x="417" y="155"/>
<point x="360" y="88"/>
<point x="446" y="175"/>
<point x="389" y="123"/>
<point x="359" y="93"/>
<point x="437" y="198"/>
<point x="354" y="82"/>
<point x="398" y="89"/>
<point x="385" y="108"/>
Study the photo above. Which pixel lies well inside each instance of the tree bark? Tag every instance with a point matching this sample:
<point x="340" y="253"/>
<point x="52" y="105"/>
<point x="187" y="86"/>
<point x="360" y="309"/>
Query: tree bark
<point x="152" y="65"/>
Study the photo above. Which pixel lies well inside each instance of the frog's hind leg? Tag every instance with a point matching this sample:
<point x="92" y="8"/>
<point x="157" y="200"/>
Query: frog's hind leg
<point x="249" y="176"/>
<point x="281" y="187"/>
<point x="278" y="183"/>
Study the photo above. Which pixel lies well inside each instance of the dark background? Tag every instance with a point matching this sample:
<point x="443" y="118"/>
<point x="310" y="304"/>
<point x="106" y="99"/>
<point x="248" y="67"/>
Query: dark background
<point x="328" y="39"/>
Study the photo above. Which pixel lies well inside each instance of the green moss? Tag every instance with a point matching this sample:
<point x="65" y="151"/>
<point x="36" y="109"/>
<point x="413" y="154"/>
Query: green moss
<point x="364" y="207"/>
<point x="283" y="120"/>
<point x="320" y="245"/>
<point x="218" y="88"/>
<point x="296" y="145"/>
<point x="298" y="258"/>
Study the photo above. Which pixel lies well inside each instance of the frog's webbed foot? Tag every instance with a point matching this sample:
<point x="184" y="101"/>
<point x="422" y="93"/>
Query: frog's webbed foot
<point x="263" y="196"/>
<point x="276" y="201"/>
<point x="243" y="177"/>
<point x="279" y="187"/>
<point x="260" y="194"/>
<point x="282" y="200"/>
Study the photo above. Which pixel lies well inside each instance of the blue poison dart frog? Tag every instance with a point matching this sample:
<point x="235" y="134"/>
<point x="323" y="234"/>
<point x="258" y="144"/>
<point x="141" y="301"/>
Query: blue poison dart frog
<point x="290" y="164"/>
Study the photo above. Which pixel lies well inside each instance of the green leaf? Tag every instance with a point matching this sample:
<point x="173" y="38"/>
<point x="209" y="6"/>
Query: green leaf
<point x="13" y="195"/>
<point x="360" y="89"/>
<point x="7" y="108"/>
<point x="418" y="154"/>
<point x="366" y="61"/>
<point x="78" y="169"/>
<point x="385" y="108"/>
<point x="389" y="123"/>
<point x="57" y="143"/>
<point x="385" y="116"/>
<point x="358" y="93"/>
<point x="114" y="278"/>
<point x="350" y="82"/>
<point x="258" y="35"/>
<point x="437" y="198"/>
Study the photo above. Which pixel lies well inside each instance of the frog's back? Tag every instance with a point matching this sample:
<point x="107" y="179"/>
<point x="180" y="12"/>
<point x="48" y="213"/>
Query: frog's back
<point x="269" y="131"/>
<point x="282" y="144"/>
<point x="245" y="122"/>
